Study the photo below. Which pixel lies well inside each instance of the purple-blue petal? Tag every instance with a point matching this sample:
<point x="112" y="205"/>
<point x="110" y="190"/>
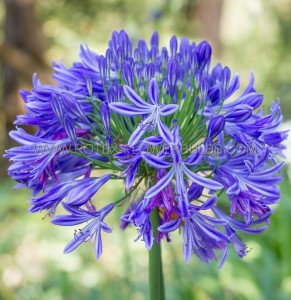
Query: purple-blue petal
<point x="166" y="110"/>
<point x="161" y="184"/>
<point x="153" y="91"/>
<point x="128" y="109"/>
<point x="170" y="226"/>
<point x="155" y="162"/>
<point x="206" y="182"/>
<point x="165" y="132"/>
<point x="135" y="98"/>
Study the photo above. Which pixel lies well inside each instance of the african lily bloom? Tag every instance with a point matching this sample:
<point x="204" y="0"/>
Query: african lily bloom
<point x="169" y="126"/>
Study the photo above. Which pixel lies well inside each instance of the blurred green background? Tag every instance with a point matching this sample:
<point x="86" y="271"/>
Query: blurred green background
<point x="248" y="36"/>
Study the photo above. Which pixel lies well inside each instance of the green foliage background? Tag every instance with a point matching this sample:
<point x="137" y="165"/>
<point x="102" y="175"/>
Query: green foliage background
<point x="255" y="36"/>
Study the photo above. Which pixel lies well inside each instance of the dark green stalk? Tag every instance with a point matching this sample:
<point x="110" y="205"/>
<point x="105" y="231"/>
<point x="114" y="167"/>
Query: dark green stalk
<point x="156" y="280"/>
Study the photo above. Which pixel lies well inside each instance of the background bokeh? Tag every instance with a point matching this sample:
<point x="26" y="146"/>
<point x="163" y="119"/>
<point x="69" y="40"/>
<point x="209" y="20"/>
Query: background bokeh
<point x="248" y="36"/>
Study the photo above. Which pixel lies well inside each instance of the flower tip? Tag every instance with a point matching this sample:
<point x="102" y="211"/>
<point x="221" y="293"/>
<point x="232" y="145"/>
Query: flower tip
<point x="187" y="259"/>
<point x="98" y="254"/>
<point x="127" y="88"/>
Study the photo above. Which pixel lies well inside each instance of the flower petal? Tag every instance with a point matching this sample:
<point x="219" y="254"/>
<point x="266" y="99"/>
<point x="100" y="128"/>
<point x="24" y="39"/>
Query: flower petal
<point x="128" y="109"/>
<point x="57" y="106"/>
<point x="170" y="226"/>
<point x="165" y="132"/>
<point x="148" y="237"/>
<point x="85" y="191"/>
<point x="233" y="189"/>
<point x="166" y="110"/>
<point x="208" y="203"/>
<point x="153" y="141"/>
<point x="187" y="246"/>
<point x="70" y="220"/>
<point x="72" y="245"/>
<point x="233" y="86"/>
<point x="206" y="182"/>
<point x="196" y="156"/>
<point x="98" y="244"/>
<point x="223" y="257"/>
<point x="160" y="185"/>
<point x="139" y="132"/>
<point x="131" y="174"/>
<point x="153" y="91"/>
<point x="155" y="161"/>
<point x="135" y="98"/>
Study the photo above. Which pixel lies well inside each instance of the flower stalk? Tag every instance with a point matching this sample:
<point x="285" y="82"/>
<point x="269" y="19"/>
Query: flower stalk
<point x="156" y="279"/>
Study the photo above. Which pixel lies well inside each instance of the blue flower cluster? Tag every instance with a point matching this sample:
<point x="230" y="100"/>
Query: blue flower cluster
<point x="176" y="131"/>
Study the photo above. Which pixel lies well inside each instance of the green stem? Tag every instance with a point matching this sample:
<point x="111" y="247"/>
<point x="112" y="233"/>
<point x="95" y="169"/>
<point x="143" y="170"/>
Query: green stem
<point x="156" y="280"/>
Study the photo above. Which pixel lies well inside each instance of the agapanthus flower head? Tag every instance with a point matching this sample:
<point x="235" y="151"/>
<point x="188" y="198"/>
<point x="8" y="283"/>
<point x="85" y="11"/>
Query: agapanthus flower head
<point x="168" y="125"/>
